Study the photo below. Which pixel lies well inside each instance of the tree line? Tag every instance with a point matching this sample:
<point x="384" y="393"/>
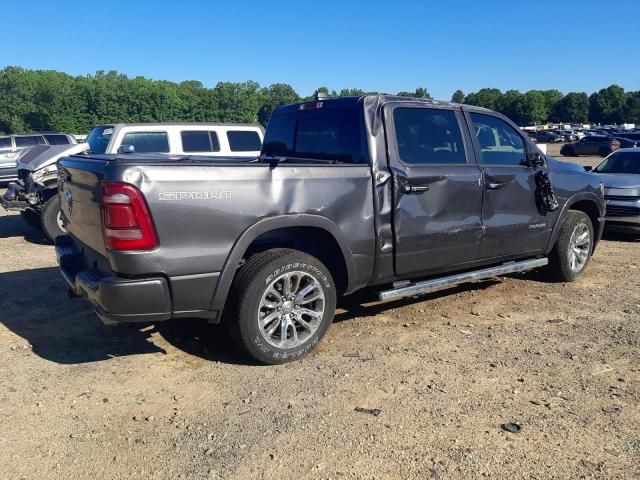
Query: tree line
<point x="38" y="100"/>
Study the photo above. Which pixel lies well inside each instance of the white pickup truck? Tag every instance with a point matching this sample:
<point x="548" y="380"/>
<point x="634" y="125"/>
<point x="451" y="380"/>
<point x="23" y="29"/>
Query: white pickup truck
<point x="35" y="194"/>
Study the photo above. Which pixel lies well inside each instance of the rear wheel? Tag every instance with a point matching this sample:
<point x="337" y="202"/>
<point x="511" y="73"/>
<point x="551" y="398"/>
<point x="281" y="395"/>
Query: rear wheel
<point x="51" y="218"/>
<point x="32" y="218"/>
<point x="604" y="152"/>
<point x="572" y="251"/>
<point x="283" y="303"/>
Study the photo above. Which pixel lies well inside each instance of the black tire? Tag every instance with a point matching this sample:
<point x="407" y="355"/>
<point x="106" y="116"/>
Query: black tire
<point x="604" y="152"/>
<point x="32" y="218"/>
<point x="560" y="264"/>
<point x="568" y="152"/>
<point x="49" y="218"/>
<point x="252" y="282"/>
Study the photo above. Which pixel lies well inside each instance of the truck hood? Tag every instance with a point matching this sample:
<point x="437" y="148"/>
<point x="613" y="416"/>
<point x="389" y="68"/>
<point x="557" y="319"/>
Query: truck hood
<point x="621" y="184"/>
<point x="555" y="164"/>
<point x="41" y="156"/>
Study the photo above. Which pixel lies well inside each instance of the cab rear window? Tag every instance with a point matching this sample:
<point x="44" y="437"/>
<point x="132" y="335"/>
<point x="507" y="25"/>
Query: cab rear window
<point x="333" y="134"/>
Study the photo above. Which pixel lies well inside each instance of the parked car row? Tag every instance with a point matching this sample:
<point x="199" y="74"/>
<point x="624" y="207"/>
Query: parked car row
<point x="596" y="145"/>
<point x="35" y="194"/>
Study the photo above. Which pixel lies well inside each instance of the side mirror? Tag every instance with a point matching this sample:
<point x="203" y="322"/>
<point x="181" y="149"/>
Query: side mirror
<point x="126" y="149"/>
<point x="588" y="168"/>
<point x="535" y="160"/>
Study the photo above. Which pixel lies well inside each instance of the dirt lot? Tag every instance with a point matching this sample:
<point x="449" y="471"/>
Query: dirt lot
<point x="176" y="400"/>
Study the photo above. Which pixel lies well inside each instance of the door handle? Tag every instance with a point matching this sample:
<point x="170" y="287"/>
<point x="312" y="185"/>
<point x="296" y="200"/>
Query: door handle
<point x="408" y="188"/>
<point x="495" y="185"/>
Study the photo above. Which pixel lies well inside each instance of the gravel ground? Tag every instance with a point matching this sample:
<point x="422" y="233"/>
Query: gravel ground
<point x="446" y="372"/>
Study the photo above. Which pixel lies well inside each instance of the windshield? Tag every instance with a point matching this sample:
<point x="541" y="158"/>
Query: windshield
<point x="620" y="162"/>
<point x="99" y="138"/>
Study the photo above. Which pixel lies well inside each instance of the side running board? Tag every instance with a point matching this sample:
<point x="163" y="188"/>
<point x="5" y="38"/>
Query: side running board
<point x="451" y="280"/>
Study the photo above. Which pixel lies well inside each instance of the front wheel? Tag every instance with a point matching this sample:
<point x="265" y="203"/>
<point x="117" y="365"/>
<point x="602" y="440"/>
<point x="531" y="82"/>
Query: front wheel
<point x="283" y="303"/>
<point x="572" y="252"/>
<point x="51" y="218"/>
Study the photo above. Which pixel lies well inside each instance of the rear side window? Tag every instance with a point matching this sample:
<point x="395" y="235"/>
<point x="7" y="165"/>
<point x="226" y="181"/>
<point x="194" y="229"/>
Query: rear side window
<point x="57" y="139"/>
<point x="5" y="143"/>
<point x="147" y="142"/>
<point x="22" y="142"/>
<point x="428" y="136"/>
<point x="499" y="142"/>
<point x="330" y="134"/>
<point x="244" y="141"/>
<point x="200" y="141"/>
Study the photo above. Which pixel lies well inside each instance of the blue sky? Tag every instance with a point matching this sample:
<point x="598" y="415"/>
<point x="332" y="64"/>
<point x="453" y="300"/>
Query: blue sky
<point x="374" y="45"/>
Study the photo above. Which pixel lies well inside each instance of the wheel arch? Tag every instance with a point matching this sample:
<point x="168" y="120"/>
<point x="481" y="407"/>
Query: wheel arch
<point x="588" y="203"/>
<point x="312" y="234"/>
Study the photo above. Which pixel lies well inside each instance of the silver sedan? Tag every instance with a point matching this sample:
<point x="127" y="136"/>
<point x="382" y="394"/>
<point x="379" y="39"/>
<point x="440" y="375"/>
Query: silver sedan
<point x="620" y="173"/>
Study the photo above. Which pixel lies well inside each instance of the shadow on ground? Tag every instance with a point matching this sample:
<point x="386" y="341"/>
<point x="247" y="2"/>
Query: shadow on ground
<point x="35" y="306"/>
<point x="15" y="226"/>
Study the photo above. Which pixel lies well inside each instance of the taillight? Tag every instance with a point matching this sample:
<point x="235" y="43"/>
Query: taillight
<point x="615" y="143"/>
<point x="126" y="221"/>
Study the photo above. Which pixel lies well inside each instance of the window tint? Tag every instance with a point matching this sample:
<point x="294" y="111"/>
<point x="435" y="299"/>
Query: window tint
<point x="500" y="144"/>
<point x="147" y="142"/>
<point x="57" y="139"/>
<point x="5" y="143"/>
<point x="200" y="141"/>
<point x="428" y="136"/>
<point x="22" y="142"/>
<point x="244" y="141"/>
<point x="321" y="133"/>
<point x="99" y="139"/>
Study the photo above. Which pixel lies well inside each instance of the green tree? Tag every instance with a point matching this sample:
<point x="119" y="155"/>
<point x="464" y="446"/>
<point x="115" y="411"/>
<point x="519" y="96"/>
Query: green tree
<point x="534" y="109"/>
<point x="574" y="107"/>
<point x="487" y="97"/>
<point x="632" y="114"/>
<point x="458" y="96"/>
<point x="609" y="105"/>
<point x="274" y="96"/>
<point x="419" y="92"/>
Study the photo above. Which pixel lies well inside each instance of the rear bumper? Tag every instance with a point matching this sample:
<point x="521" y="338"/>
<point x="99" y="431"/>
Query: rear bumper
<point x="115" y="299"/>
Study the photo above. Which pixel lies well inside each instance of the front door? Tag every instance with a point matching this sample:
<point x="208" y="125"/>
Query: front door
<point x="511" y="216"/>
<point x="437" y="189"/>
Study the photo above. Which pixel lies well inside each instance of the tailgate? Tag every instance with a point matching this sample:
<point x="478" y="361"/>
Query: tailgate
<point x="80" y="193"/>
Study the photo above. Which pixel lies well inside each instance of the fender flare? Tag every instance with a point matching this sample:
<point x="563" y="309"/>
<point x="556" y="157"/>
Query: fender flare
<point x="578" y="197"/>
<point x="274" y="223"/>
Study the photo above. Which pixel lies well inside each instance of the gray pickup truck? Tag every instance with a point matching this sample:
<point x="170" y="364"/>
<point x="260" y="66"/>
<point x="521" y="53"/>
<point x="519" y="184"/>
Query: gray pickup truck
<point x="405" y="194"/>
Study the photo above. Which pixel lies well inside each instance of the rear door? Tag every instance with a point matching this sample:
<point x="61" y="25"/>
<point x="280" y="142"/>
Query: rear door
<point x="437" y="188"/>
<point x="513" y="224"/>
